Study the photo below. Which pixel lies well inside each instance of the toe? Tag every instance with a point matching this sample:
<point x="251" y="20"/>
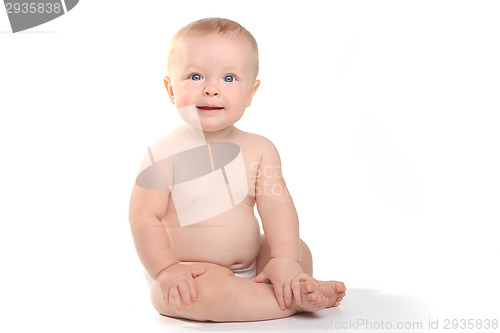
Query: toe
<point x="339" y="286"/>
<point x="325" y="302"/>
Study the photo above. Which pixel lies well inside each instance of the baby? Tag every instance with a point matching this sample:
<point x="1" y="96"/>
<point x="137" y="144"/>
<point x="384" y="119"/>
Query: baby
<point x="192" y="206"/>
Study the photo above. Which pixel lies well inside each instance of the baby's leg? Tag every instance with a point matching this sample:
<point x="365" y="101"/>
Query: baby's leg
<point x="330" y="293"/>
<point x="225" y="297"/>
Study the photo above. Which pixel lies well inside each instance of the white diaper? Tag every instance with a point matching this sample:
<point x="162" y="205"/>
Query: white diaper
<point x="247" y="273"/>
<point x="149" y="279"/>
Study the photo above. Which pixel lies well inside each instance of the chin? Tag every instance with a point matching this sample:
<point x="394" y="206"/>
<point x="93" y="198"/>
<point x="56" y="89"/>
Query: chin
<point x="213" y="128"/>
<point x="213" y="125"/>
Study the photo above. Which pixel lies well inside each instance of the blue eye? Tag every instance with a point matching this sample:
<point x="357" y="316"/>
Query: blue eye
<point x="228" y="78"/>
<point x="195" y="77"/>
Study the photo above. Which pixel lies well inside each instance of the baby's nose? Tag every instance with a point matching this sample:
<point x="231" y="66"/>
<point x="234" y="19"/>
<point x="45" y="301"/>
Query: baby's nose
<point x="211" y="91"/>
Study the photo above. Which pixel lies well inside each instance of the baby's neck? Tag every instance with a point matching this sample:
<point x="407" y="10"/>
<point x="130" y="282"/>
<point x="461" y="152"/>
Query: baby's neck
<point x="210" y="136"/>
<point x="220" y="135"/>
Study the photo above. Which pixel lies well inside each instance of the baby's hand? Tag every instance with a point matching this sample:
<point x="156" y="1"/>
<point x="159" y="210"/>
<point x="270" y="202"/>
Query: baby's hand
<point x="286" y="276"/>
<point x="177" y="281"/>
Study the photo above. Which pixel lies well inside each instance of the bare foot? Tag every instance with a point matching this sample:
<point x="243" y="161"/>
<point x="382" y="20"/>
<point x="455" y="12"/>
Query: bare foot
<point x="333" y="290"/>
<point x="314" y="298"/>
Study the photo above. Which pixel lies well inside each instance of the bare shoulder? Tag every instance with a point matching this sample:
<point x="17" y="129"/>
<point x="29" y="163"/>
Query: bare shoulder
<point x="258" y="143"/>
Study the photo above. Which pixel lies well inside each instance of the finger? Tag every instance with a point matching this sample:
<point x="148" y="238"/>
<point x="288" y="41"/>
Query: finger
<point x="278" y="292"/>
<point x="165" y="297"/>
<point x="311" y="297"/>
<point x="307" y="278"/>
<point x="259" y="278"/>
<point x="306" y="287"/>
<point x="197" y="272"/>
<point x="192" y="289"/>
<point x="287" y="294"/>
<point x="185" y="295"/>
<point x="297" y="293"/>
<point x="174" y="293"/>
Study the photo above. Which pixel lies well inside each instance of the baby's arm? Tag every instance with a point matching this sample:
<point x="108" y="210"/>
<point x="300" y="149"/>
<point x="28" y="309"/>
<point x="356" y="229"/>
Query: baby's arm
<point x="147" y="209"/>
<point x="275" y="206"/>
<point x="281" y="227"/>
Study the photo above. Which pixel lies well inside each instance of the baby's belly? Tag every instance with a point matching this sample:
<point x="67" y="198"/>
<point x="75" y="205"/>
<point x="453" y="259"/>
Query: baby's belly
<point x="231" y="239"/>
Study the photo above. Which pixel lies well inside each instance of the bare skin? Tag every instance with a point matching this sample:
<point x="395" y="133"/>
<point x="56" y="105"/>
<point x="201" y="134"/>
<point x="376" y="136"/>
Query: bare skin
<point x="223" y="297"/>
<point x="192" y="262"/>
<point x="332" y="291"/>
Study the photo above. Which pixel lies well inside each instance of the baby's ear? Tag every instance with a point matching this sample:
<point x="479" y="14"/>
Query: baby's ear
<point x="170" y="90"/>
<point x="256" y="85"/>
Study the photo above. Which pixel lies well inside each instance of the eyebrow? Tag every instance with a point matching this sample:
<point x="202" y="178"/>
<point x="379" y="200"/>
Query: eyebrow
<point x="226" y="69"/>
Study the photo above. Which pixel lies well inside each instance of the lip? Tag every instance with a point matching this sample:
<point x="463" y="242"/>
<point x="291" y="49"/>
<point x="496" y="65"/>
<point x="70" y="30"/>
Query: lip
<point x="209" y="108"/>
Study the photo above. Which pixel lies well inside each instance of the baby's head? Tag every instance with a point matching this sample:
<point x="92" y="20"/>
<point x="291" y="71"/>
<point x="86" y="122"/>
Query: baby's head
<point x="212" y="68"/>
<point x="213" y="26"/>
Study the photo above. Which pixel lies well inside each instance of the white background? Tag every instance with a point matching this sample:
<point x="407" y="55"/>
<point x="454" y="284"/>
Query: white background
<point x="386" y="115"/>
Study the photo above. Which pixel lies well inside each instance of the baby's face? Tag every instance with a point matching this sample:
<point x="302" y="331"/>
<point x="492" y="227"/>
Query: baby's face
<point x="214" y="74"/>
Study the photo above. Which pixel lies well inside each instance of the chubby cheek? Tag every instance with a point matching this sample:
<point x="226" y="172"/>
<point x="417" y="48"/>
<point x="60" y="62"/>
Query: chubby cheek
<point x="183" y="98"/>
<point x="237" y="97"/>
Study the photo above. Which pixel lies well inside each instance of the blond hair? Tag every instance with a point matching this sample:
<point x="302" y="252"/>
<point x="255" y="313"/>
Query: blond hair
<point x="213" y="25"/>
